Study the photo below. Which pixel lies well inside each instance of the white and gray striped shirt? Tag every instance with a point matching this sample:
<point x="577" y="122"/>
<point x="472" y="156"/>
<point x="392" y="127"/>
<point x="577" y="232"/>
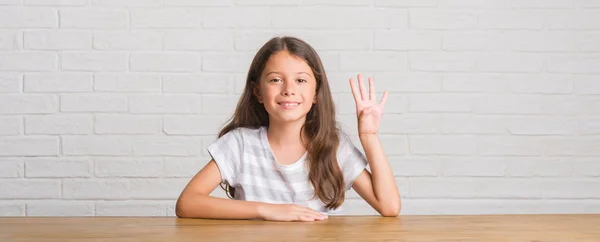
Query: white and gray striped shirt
<point x="246" y="162"/>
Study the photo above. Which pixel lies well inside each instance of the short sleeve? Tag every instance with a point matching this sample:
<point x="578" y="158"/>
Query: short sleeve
<point x="352" y="161"/>
<point x="225" y="151"/>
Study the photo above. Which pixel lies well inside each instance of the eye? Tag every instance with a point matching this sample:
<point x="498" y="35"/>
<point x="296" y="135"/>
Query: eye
<point x="276" y="80"/>
<point x="302" y="80"/>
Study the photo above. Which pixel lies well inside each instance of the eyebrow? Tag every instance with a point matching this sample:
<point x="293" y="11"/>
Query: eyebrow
<point x="302" y="72"/>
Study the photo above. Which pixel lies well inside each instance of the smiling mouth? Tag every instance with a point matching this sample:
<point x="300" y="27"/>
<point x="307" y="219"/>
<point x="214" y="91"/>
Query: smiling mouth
<point x="289" y="104"/>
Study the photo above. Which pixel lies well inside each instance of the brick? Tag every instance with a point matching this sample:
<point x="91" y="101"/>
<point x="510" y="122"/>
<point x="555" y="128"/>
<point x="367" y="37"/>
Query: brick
<point x="588" y="105"/>
<point x="410" y="123"/>
<point x="188" y="124"/>
<point x="573" y="63"/>
<point x="233" y="62"/>
<point x="442" y="144"/>
<point x="472" y="124"/>
<point x="528" y="63"/>
<point x="438" y="19"/>
<point x="496" y="206"/>
<point x="96" y="145"/>
<point x="405" y="3"/>
<point x="156" y="188"/>
<point x="95" y="189"/>
<point x="58" y="167"/>
<point x="55" y="2"/>
<point x="507" y="4"/>
<point x="373" y="61"/>
<point x="165" y="103"/>
<point x="558" y="105"/>
<point x="194" y="83"/>
<point x="588" y="125"/>
<point x="165" y="61"/>
<point x="507" y="104"/>
<point x="472" y="167"/>
<point x="9" y="40"/>
<point x="238" y="17"/>
<point x="570" y="19"/>
<point x="10" y="83"/>
<point x="21" y="17"/>
<point x="28" y="104"/>
<point x="94" y="102"/>
<point x="28" y="61"/>
<point x="183" y="166"/>
<point x="406" y="82"/>
<point x="509" y="145"/>
<point x="94" y="61"/>
<point x="529" y="125"/>
<point x="251" y="39"/>
<point x="533" y="20"/>
<point x="165" y="18"/>
<point x="410" y="166"/>
<point x="476" y="82"/>
<point x="446" y="62"/>
<point x="371" y="19"/>
<point x="394" y="145"/>
<point x="29" y="189"/>
<point x="541" y="83"/>
<point x="585" y="41"/>
<point x="585" y="166"/>
<point x="128" y="208"/>
<point x="407" y="40"/>
<point x="167" y="146"/>
<point x="11" y="168"/>
<point x="571" y="146"/>
<point x="127" y="82"/>
<point x="128" y="167"/>
<point x="538" y="167"/>
<point x="471" y="40"/>
<point x="94" y="19"/>
<point x="60" y="208"/>
<point x="11" y="125"/>
<point x="474" y="188"/>
<point x="58" y="124"/>
<point x="197" y="3"/>
<point x="57" y="40"/>
<point x="547" y="41"/>
<point x="128" y="40"/>
<point x="219" y="104"/>
<point x="58" y="82"/>
<point x="294" y="18"/>
<point x="576" y="188"/>
<point x="336" y="40"/>
<point x="129" y="3"/>
<point x="440" y="102"/>
<point x="28" y="146"/>
<point x="212" y="40"/>
<point x="12" y="209"/>
<point x="338" y="2"/>
<point x="267" y="2"/>
<point x="128" y="124"/>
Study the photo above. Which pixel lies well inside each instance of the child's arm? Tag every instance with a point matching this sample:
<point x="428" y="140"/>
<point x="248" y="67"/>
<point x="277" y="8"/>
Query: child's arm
<point x="195" y="202"/>
<point x="379" y="189"/>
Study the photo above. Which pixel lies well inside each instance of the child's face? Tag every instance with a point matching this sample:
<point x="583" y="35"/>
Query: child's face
<point x="287" y="87"/>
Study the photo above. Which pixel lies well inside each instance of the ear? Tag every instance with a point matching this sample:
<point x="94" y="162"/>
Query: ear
<point x="256" y="92"/>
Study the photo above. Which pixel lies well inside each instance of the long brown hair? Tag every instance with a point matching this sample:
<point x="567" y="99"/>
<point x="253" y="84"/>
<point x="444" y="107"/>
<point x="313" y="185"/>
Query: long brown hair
<point x="320" y="127"/>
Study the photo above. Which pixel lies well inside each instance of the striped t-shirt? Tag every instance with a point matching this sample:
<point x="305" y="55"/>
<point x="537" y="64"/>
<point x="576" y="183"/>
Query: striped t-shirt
<point x="246" y="162"/>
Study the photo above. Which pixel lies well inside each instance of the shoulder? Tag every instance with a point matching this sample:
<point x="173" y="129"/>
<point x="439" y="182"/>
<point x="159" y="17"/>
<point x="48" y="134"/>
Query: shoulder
<point x="243" y="134"/>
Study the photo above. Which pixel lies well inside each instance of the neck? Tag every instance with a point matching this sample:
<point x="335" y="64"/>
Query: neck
<point x="285" y="134"/>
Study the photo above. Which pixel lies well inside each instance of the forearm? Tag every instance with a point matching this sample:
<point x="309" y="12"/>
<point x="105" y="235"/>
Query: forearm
<point x="384" y="184"/>
<point x="202" y="206"/>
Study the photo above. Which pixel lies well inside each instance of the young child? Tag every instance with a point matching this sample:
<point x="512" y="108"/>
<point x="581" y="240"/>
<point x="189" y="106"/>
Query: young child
<point x="282" y="156"/>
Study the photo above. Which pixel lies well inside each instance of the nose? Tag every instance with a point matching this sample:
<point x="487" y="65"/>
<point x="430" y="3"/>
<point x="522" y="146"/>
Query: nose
<point x="289" y="89"/>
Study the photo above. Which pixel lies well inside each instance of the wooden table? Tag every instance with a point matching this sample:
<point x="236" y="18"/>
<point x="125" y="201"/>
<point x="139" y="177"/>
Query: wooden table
<point x="538" y="228"/>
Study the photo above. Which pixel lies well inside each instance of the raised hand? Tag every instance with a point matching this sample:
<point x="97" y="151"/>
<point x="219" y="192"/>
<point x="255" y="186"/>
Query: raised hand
<point x="368" y="111"/>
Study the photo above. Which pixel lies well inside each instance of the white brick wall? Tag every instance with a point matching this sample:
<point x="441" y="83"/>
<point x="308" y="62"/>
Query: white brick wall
<point x="107" y="106"/>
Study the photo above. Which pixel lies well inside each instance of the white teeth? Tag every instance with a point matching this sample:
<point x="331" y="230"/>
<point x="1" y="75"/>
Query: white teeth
<point x="289" y="104"/>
